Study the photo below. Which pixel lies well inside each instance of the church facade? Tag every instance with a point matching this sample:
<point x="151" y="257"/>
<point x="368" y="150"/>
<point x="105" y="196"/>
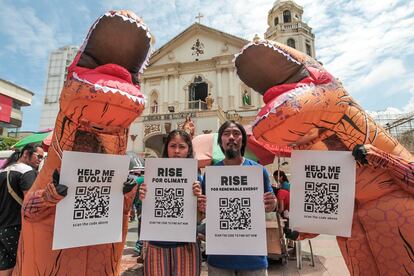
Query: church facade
<point x="193" y="75"/>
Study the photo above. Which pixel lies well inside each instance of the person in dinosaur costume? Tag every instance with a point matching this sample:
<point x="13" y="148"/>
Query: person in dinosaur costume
<point x="100" y="99"/>
<point x="308" y="109"/>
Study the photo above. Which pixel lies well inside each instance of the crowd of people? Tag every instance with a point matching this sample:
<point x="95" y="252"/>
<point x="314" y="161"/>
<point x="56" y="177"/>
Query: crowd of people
<point x="178" y="258"/>
<point x="17" y="175"/>
<point x="161" y="257"/>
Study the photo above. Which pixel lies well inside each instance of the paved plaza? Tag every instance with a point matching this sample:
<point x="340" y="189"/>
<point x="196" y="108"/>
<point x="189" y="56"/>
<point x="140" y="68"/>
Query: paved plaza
<point x="328" y="259"/>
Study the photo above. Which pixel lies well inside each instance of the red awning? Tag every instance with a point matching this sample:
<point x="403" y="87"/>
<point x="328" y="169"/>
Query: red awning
<point x="5" y="108"/>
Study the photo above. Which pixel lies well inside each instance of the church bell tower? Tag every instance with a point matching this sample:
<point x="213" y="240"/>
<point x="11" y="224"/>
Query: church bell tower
<point x="286" y="26"/>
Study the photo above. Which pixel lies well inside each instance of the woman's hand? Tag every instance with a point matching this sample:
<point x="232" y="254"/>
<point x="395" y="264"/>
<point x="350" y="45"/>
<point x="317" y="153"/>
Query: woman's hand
<point x="201" y="199"/>
<point x="142" y="191"/>
<point x="269" y="201"/>
<point x="197" y="191"/>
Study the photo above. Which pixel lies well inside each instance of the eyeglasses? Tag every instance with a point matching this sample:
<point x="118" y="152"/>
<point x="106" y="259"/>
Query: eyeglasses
<point x="39" y="156"/>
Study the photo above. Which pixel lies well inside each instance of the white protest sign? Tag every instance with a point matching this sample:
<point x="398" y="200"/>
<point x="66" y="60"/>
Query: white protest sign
<point x="169" y="210"/>
<point x="322" y="193"/>
<point x="235" y="216"/>
<point x="92" y="211"/>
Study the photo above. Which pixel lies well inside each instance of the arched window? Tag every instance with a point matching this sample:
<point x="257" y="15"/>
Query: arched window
<point x="308" y="49"/>
<point x="197" y="93"/>
<point x="287" y="17"/>
<point x="276" y="20"/>
<point x="291" y="43"/>
<point x="154" y="102"/>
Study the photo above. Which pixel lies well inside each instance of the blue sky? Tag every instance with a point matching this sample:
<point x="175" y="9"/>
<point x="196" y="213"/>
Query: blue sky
<point x="368" y="44"/>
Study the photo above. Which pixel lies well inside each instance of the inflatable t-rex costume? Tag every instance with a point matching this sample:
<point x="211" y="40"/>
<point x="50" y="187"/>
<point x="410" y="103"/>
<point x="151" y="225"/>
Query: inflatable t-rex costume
<point x="99" y="101"/>
<point x="309" y="109"/>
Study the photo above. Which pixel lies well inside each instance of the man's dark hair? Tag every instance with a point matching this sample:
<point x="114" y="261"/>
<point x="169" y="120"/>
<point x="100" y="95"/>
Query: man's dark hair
<point x="186" y="137"/>
<point x="31" y="148"/>
<point x="225" y="125"/>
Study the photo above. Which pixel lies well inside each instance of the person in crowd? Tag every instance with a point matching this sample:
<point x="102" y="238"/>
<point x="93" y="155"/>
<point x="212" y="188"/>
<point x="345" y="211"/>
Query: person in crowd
<point x="137" y="207"/>
<point x="16" y="177"/>
<point x="283" y="198"/>
<point x="282" y="195"/>
<point x="173" y="258"/>
<point x="232" y="140"/>
<point x="281" y="177"/>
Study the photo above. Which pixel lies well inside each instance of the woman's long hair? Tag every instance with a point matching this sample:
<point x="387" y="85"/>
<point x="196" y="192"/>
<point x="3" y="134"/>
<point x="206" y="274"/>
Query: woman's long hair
<point x="281" y="174"/>
<point x="31" y="148"/>
<point x="186" y="137"/>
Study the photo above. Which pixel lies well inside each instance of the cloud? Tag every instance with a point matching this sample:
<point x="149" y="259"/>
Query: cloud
<point x="362" y="42"/>
<point x="387" y="111"/>
<point x="410" y="105"/>
<point x="389" y="69"/>
<point x="26" y="33"/>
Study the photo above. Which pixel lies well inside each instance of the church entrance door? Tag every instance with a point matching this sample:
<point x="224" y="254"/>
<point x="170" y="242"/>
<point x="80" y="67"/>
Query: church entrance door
<point x="198" y="91"/>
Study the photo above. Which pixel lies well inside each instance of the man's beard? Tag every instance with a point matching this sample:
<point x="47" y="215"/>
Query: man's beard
<point x="231" y="153"/>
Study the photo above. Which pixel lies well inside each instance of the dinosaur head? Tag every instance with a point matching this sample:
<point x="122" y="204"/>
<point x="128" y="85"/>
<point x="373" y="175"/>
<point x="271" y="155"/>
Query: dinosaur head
<point x="298" y="93"/>
<point x="101" y="96"/>
<point x="102" y="87"/>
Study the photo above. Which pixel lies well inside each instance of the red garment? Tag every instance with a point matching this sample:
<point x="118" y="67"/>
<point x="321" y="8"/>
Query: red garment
<point x="285" y="196"/>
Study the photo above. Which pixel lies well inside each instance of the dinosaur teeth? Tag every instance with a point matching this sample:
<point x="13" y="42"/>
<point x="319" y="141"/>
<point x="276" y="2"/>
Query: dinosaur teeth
<point x="269" y="44"/>
<point x="132" y="21"/>
<point x="106" y="89"/>
<point x="139" y="25"/>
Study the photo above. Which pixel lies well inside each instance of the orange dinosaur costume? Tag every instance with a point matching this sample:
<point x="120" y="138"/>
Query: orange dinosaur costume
<point x="99" y="101"/>
<point x="309" y="109"/>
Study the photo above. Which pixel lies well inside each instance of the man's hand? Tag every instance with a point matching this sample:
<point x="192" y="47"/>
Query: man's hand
<point x="54" y="192"/>
<point x="360" y="154"/>
<point x="129" y="185"/>
<point x="201" y="199"/>
<point x="60" y="189"/>
<point x="269" y="201"/>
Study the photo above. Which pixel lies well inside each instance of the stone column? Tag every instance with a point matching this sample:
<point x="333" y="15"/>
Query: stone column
<point x="259" y="100"/>
<point x="219" y="88"/>
<point x="232" y="102"/>
<point x="145" y="93"/>
<point x="177" y="94"/>
<point x="165" y="97"/>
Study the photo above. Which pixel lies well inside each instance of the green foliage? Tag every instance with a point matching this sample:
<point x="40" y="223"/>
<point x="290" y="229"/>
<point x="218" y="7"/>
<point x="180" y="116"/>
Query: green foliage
<point x="7" y="142"/>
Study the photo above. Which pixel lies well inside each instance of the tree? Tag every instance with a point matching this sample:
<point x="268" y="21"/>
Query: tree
<point x="7" y="142"/>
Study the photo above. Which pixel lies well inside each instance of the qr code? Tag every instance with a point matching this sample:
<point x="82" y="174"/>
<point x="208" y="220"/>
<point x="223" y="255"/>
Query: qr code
<point x="91" y="202"/>
<point x="321" y="197"/>
<point x="169" y="202"/>
<point x="235" y="213"/>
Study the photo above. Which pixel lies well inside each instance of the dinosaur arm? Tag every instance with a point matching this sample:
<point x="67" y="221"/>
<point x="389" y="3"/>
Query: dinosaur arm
<point x="401" y="169"/>
<point x="128" y="199"/>
<point x="41" y="203"/>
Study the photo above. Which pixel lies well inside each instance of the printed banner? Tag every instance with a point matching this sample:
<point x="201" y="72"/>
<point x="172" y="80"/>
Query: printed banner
<point x="169" y="210"/>
<point x="92" y="211"/>
<point x="322" y="192"/>
<point x="235" y="216"/>
<point x="5" y="108"/>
